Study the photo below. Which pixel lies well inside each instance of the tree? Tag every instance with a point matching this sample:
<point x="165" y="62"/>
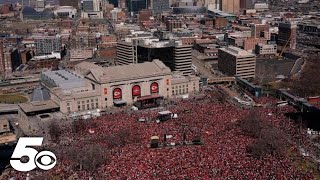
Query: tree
<point x="91" y="157"/>
<point x="78" y="126"/>
<point x="55" y="131"/>
<point x="308" y="84"/>
<point x="252" y="124"/>
<point x="271" y="141"/>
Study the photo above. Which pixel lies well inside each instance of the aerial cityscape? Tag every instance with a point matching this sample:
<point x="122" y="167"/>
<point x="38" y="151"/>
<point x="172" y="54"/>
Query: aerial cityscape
<point x="159" y="89"/>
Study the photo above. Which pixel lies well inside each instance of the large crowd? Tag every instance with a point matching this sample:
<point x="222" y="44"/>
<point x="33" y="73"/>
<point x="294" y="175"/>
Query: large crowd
<point x="222" y="156"/>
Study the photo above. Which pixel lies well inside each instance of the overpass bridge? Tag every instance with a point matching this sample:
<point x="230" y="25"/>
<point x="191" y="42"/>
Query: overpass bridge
<point x="219" y="80"/>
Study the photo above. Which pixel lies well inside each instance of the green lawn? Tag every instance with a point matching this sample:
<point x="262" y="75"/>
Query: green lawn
<point x="12" y="99"/>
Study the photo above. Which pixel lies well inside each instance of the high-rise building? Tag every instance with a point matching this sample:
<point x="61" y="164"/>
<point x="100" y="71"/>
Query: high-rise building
<point x="91" y="5"/>
<point x="287" y="37"/>
<point x="246" y="4"/>
<point x="87" y="5"/>
<point x="212" y="4"/>
<point x="235" y="61"/>
<point x="9" y="60"/>
<point x="137" y="5"/>
<point x="159" y="6"/>
<point x="260" y="31"/>
<point x="92" y="9"/>
<point x="173" y="54"/>
<point x="47" y="44"/>
<point x="230" y="6"/>
<point x="182" y="59"/>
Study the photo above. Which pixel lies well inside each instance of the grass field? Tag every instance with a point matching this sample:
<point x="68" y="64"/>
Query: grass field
<point x="12" y="99"/>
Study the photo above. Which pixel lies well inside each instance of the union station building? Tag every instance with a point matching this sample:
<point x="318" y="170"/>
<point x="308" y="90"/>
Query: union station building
<point x="94" y="87"/>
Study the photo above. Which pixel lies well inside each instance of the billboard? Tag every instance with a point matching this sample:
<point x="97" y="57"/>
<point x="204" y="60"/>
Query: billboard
<point x="117" y="93"/>
<point x="136" y="90"/>
<point x="154" y="87"/>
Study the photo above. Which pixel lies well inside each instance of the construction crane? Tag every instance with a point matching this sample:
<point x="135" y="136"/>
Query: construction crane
<point x="280" y="55"/>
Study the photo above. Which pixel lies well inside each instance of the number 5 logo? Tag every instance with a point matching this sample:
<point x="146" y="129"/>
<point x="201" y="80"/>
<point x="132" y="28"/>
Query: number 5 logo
<point x="44" y="160"/>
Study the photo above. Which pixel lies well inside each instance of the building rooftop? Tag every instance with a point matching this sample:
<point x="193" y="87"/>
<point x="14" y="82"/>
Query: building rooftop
<point x="64" y="79"/>
<point x="40" y="94"/>
<point x="127" y="72"/>
<point x="38" y="106"/>
<point x="238" y="52"/>
<point x="221" y="13"/>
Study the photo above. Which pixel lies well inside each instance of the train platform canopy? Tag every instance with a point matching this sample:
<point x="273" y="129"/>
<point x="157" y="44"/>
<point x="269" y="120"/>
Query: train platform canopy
<point x="34" y="108"/>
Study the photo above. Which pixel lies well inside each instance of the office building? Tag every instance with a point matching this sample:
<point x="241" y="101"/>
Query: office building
<point x="9" y="61"/>
<point x="137" y="5"/>
<point x="92" y="9"/>
<point x="235" y="61"/>
<point x="230" y="6"/>
<point x="287" y="35"/>
<point x="65" y="12"/>
<point x="182" y="59"/>
<point x="159" y="6"/>
<point x="44" y="62"/>
<point x="266" y="49"/>
<point x="47" y="44"/>
<point x="172" y="53"/>
<point x="260" y="31"/>
<point x="173" y="24"/>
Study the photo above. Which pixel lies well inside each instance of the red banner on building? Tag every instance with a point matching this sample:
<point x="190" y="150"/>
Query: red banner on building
<point x="117" y="93"/>
<point x="105" y="91"/>
<point x="154" y="87"/>
<point x="136" y="90"/>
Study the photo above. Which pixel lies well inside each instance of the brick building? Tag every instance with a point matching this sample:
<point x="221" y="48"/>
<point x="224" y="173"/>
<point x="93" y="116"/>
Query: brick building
<point x="44" y="62"/>
<point x="260" y="31"/>
<point x="144" y="15"/>
<point x="173" y="24"/>
<point x="220" y="22"/>
<point x="250" y="43"/>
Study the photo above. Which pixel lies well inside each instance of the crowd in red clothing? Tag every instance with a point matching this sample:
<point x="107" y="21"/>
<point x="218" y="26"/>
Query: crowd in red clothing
<point x="223" y="156"/>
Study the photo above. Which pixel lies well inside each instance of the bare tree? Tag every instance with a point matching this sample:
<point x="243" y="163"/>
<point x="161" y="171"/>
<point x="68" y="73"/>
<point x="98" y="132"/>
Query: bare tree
<point x="271" y="141"/>
<point x="78" y="126"/>
<point x="55" y="131"/>
<point x="252" y="124"/>
<point x="89" y="157"/>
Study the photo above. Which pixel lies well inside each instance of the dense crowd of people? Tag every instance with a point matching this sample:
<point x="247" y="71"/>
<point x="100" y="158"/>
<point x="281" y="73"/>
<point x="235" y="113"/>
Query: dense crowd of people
<point x="222" y="156"/>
